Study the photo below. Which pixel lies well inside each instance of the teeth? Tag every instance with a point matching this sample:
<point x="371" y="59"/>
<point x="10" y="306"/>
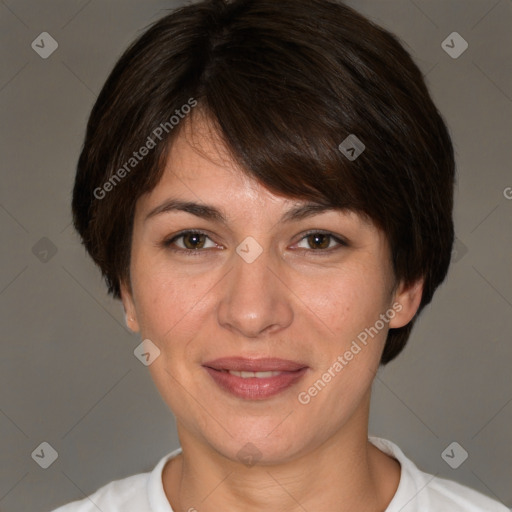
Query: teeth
<point x="258" y="375"/>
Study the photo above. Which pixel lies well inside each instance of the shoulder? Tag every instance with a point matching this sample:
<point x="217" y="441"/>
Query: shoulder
<point x="443" y="492"/>
<point x="143" y="492"/>
<point x="422" y="492"/>
<point x="114" y="497"/>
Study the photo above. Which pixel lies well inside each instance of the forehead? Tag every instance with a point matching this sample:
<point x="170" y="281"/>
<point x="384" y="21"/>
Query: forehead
<point x="202" y="177"/>
<point x="200" y="167"/>
<point x="199" y="153"/>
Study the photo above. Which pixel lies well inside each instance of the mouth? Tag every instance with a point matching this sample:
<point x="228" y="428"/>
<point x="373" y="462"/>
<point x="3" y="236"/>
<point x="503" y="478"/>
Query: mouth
<point x="248" y="375"/>
<point x="255" y="379"/>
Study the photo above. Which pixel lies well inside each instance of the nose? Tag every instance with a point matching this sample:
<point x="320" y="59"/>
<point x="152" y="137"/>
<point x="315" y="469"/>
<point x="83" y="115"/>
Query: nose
<point x="255" y="300"/>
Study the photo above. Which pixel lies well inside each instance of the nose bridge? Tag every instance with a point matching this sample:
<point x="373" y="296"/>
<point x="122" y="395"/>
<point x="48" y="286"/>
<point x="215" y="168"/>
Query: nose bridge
<point x="254" y="299"/>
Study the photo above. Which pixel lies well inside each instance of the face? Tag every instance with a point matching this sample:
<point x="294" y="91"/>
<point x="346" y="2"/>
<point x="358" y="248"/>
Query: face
<point x="303" y="302"/>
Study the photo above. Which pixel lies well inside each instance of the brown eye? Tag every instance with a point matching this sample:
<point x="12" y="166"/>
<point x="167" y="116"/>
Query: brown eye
<point x="190" y="241"/>
<point x="194" y="240"/>
<point x="319" y="241"/>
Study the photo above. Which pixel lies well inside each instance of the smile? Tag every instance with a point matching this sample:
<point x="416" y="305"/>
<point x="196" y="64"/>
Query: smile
<point x="258" y="375"/>
<point x="254" y="379"/>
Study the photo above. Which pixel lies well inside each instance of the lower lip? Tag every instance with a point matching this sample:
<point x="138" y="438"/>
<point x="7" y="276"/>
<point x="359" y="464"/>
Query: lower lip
<point x="254" y="388"/>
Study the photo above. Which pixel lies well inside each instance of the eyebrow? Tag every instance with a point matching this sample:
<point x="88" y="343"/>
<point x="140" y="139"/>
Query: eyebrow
<point x="211" y="213"/>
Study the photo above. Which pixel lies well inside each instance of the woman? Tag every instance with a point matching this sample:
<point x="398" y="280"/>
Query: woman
<point x="268" y="188"/>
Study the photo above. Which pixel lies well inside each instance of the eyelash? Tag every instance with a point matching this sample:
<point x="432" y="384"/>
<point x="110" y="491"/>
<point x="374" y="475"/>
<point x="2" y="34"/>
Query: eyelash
<point x="197" y="252"/>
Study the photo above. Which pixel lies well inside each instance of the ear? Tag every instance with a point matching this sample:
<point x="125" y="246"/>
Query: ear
<point x="409" y="299"/>
<point x="129" y="307"/>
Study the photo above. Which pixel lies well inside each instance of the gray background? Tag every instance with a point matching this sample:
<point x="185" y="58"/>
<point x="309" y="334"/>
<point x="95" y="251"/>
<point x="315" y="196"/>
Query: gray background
<point x="68" y="375"/>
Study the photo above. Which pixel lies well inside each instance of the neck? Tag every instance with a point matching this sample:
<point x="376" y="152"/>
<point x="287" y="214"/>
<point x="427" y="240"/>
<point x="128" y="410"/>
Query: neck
<point x="345" y="473"/>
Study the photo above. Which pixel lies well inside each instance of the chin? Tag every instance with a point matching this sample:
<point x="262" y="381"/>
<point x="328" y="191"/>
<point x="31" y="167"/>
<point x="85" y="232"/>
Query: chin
<point x="264" y="441"/>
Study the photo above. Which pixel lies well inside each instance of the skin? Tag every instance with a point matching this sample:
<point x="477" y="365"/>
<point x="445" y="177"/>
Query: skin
<point x="300" y="300"/>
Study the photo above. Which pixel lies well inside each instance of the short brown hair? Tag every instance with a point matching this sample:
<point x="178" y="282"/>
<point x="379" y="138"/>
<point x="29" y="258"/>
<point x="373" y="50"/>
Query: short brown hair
<point x="285" y="82"/>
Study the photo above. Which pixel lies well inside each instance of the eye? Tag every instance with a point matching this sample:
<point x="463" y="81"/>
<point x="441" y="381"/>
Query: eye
<point x="191" y="241"/>
<point x="320" y="241"/>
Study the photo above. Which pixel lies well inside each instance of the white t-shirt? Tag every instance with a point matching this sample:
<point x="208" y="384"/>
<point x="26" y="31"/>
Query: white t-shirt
<point x="417" y="491"/>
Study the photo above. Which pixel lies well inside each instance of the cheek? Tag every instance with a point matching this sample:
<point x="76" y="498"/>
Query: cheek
<point x="350" y="307"/>
<point x="157" y="298"/>
<point x="350" y="300"/>
<point x="170" y="304"/>
<point x="346" y="360"/>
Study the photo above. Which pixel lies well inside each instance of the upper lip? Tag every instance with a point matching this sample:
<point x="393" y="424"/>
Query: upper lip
<point x="265" y="364"/>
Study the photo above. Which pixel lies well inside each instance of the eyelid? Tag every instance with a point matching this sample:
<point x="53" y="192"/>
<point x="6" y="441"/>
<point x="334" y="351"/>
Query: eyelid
<point x="339" y="238"/>
<point x="341" y="241"/>
<point x="167" y="243"/>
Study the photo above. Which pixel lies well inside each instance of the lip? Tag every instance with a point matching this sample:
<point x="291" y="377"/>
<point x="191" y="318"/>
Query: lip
<point x="263" y="364"/>
<point x="255" y="388"/>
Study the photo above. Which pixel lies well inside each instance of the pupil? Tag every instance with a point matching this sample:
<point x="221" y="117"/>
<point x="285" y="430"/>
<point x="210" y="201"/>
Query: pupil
<point x="196" y="239"/>
<point x="318" y="238"/>
<point x="193" y="240"/>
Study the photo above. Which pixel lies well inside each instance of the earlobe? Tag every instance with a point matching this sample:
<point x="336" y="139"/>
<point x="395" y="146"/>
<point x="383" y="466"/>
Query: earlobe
<point x="408" y="299"/>
<point x="129" y="308"/>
